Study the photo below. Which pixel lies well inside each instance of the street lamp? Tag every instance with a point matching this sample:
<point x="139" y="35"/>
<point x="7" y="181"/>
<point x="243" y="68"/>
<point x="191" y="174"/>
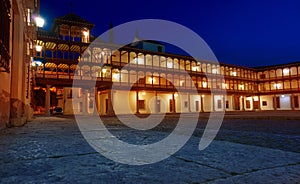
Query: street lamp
<point x="39" y="21"/>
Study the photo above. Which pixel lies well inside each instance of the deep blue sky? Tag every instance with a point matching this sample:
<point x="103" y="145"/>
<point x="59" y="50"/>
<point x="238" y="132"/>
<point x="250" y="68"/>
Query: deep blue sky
<point x="248" y="33"/>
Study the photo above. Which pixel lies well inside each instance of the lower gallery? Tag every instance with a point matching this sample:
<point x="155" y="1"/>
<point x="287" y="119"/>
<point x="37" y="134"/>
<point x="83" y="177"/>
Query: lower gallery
<point x="110" y="102"/>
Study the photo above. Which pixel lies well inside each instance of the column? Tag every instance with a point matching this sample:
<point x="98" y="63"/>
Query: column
<point x="155" y="103"/>
<point x="85" y="102"/>
<point x="224" y="102"/>
<point x="64" y="99"/>
<point x="189" y="102"/>
<point x="233" y="102"/>
<point x="173" y="103"/>
<point x="96" y="106"/>
<point x="252" y="104"/>
<point x="259" y="103"/>
<point x="213" y="102"/>
<point x="47" y="103"/>
<point x="201" y="103"/>
<point x="274" y="102"/>
<point x="137" y="102"/>
<point x="243" y="103"/>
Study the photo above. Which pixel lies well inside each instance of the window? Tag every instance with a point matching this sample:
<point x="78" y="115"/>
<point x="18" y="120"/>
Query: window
<point x="219" y="104"/>
<point x="91" y="103"/>
<point x="264" y="103"/>
<point x="185" y="104"/>
<point x="227" y="104"/>
<point x="59" y="92"/>
<point x="262" y="76"/>
<point x="141" y="104"/>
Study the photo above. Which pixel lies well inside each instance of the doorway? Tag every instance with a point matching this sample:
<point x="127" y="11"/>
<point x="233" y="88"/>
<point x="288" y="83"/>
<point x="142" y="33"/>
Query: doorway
<point x="172" y="105"/>
<point x="158" y="106"/>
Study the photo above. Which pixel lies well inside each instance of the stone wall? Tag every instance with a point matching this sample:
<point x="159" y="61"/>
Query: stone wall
<point x="4" y="108"/>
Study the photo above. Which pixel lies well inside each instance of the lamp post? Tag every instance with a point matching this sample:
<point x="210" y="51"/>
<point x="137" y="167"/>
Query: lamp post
<point x="39" y="22"/>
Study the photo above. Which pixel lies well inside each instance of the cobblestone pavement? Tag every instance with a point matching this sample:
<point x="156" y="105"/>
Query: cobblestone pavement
<point x="52" y="150"/>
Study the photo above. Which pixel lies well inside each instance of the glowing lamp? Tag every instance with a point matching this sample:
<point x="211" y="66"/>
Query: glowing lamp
<point x="39" y="21"/>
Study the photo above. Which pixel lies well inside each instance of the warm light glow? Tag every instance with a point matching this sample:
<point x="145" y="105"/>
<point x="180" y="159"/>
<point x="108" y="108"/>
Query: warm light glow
<point x="104" y="70"/>
<point x="169" y="65"/>
<point x="214" y="71"/>
<point x="116" y="76"/>
<point x="175" y="95"/>
<point x="139" y="61"/>
<point x="282" y="96"/>
<point x="195" y="68"/>
<point x="255" y="98"/>
<point x="202" y="96"/>
<point x="86" y="33"/>
<point x="38" y="48"/>
<point x="234" y="73"/>
<point x="33" y="64"/>
<point x="241" y="86"/>
<point x="277" y="85"/>
<point x="150" y="79"/>
<point x="204" y="84"/>
<point x="39" y="21"/>
<point x="248" y="98"/>
<point x="53" y="89"/>
<point x="286" y="71"/>
<point x="143" y="93"/>
<point x="181" y="82"/>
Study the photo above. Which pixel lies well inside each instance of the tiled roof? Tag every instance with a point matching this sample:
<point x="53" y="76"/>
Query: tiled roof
<point x="72" y="18"/>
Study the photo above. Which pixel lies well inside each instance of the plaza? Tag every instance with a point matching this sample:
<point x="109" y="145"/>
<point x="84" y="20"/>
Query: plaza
<point x="255" y="149"/>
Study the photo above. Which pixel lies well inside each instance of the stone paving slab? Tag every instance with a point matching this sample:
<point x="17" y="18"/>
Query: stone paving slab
<point x="54" y="151"/>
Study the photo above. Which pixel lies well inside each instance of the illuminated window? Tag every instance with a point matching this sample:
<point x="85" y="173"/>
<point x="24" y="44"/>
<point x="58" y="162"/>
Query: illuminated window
<point x="116" y="77"/>
<point x="169" y="65"/>
<point x="286" y="71"/>
<point x="150" y="80"/>
<point x="277" y="86"/>
<point x="85" y="36"/>
<point x="195" y="68"/>
<point x="181" y="83"/>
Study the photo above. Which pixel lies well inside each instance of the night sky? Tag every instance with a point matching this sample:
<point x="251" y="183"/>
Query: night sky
<point x="247" y="33"/>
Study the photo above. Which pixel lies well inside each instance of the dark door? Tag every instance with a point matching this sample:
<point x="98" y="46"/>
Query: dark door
<point x="197" y="105"/>
<point x="171" y="105"/>
<point x="158" y="105"/>
<point x="256" y="104"/>
<point x="237" y="103"/>
<point x="296" y="102"/>
<point x="80" y="106"/>
<point x="277" y="102"/>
